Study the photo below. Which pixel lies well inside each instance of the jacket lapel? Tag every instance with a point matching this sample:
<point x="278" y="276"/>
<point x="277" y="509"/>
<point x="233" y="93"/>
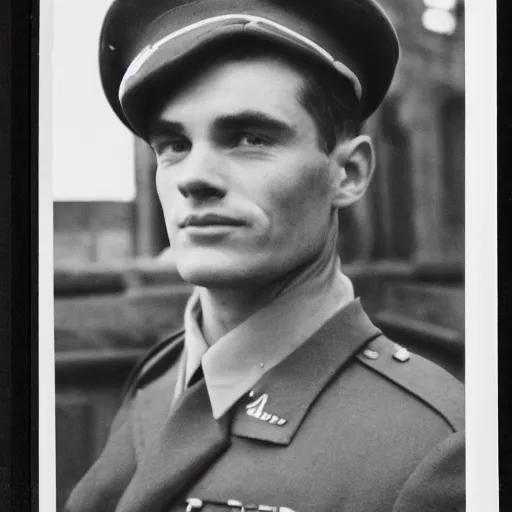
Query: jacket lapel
<point x="151" y="408"/>
<point x="277" y="405"/>
<point x="188" y="443"/>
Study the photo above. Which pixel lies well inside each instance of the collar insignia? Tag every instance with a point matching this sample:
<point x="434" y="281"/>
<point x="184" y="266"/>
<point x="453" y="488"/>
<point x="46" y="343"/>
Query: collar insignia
<point x="256" y="410"/>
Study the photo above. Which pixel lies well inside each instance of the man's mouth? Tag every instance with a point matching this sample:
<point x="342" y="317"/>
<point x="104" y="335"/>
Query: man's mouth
<point x="209" y="219"/>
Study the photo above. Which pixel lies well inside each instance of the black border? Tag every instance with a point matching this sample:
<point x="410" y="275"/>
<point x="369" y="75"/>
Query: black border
<point x="504" y="141"/>
<point x="5" y="256"/>
<point x="24" y="263"/>
<point x="19" y="274"/>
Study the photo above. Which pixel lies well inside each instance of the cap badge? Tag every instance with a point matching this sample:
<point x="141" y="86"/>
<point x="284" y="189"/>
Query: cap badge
<point x="256" y="410"/>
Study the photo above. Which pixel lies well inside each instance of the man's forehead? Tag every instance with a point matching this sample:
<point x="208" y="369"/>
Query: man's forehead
<point x="263" y="84"/>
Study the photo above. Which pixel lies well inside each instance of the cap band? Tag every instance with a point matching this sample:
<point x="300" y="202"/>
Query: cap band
<point x="249" y="21"/>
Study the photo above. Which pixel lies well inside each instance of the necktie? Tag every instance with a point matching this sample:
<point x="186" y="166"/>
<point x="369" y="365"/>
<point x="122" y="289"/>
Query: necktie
<point x="187" y="445"/>
<point x="196" y="377"/>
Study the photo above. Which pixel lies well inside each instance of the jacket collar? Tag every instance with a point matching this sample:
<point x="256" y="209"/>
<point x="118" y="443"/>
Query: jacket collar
<point x="286" y="392"/>
<point x="275" y="408"/>
<point x="237" y="361"/>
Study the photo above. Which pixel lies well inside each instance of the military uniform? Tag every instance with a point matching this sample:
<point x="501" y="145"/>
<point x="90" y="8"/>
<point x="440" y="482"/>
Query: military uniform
<point x="345" y="421"/>
<point x="348" y="422"/>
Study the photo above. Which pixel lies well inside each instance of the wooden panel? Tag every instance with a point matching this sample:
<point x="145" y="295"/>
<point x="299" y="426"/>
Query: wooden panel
<point x="92" y="231"/>
<point x="82" y="367"/>
<point x="113" y="245"/>
<point x="438" y="305"/>
<point x="73" y="248"/>
<point x="453" y="131"/>
<point x="87" y="280"/>
<point x="71" y="216"/>
<point x="138" y="319"/>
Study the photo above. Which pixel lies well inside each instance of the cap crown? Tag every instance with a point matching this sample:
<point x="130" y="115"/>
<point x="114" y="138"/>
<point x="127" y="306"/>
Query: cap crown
<point x="356" y="33"/>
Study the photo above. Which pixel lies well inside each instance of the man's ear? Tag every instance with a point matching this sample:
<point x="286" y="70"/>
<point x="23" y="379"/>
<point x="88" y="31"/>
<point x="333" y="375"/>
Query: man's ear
<point x="352" y="163"/>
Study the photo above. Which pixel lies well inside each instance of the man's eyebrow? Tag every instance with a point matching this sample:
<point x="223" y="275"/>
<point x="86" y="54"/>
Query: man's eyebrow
<point x="161" y="127"/>
<point x="253" y="119"/>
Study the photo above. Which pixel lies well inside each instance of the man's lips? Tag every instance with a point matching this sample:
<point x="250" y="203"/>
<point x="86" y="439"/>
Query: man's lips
<point x="210" y="219"/>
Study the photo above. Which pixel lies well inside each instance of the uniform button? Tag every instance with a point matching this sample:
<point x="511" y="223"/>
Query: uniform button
<point x="401" y="354"/>
<point x="370" y="354"/>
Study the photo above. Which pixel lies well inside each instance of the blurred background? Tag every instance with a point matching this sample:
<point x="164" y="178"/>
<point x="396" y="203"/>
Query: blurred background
<point x="116" y="288"/>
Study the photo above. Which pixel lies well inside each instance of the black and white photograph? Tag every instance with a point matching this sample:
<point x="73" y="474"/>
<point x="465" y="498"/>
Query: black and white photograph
<point x="256" y="245"/>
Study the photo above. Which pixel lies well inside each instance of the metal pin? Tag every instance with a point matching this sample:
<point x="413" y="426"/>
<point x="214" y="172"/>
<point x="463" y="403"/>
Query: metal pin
<point x="401" y="354"/>
<point x="236" y="503"/>
<point x="194" y="504"/>
<point x="370" y="354"/>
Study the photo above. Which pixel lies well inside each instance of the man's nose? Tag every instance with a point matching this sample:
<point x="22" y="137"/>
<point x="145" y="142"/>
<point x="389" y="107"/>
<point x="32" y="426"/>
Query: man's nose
<point x="200" y="176"/>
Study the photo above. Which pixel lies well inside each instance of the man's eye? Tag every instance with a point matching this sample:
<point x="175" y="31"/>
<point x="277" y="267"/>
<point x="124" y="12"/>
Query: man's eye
<point x="178" y="146"/>
<point x="250" y="140"/>
<point x="170" y="146"/>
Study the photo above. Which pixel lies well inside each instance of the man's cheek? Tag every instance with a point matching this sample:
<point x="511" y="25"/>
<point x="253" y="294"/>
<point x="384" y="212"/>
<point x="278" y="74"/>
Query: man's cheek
<point x="301" y="194"/>
<point x="169" y="203"/>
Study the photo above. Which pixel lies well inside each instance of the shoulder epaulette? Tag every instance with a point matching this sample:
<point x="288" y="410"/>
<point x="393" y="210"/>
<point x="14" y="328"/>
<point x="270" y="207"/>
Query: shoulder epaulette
<point x="427" y="381"/>
<point x="154" y="362"/>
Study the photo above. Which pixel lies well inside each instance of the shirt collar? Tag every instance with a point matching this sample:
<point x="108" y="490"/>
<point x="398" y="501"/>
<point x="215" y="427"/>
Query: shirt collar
<point x="240" y="358"/>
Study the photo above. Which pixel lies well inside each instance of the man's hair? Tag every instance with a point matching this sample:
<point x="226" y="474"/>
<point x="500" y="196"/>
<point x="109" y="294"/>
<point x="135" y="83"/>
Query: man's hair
<point x="326" y="95"/>
<point x="334" y="108"/>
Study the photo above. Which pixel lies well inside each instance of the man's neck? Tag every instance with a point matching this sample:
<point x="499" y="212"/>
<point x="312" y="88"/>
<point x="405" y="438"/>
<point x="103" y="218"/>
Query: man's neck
<point x="224" y="309"/>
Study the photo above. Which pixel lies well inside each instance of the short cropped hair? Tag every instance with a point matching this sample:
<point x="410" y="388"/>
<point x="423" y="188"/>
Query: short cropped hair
<point x="335" y="109"/>
<point x="327" y="96"/>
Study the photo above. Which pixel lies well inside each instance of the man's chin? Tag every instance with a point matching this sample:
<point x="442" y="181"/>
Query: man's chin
<point x="211" y="275"/>
<point x="208" y="277"/>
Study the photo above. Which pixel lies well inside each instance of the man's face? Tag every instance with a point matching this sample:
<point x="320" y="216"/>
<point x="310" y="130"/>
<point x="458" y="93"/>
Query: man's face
<point x="244" y="185"/>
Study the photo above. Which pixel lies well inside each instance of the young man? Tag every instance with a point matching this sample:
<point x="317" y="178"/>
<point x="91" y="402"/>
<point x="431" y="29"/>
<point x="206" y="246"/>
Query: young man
<point x="279" y="393"/>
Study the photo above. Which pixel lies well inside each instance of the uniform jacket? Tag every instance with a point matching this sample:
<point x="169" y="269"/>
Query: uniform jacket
<point x="343" y="424"/>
